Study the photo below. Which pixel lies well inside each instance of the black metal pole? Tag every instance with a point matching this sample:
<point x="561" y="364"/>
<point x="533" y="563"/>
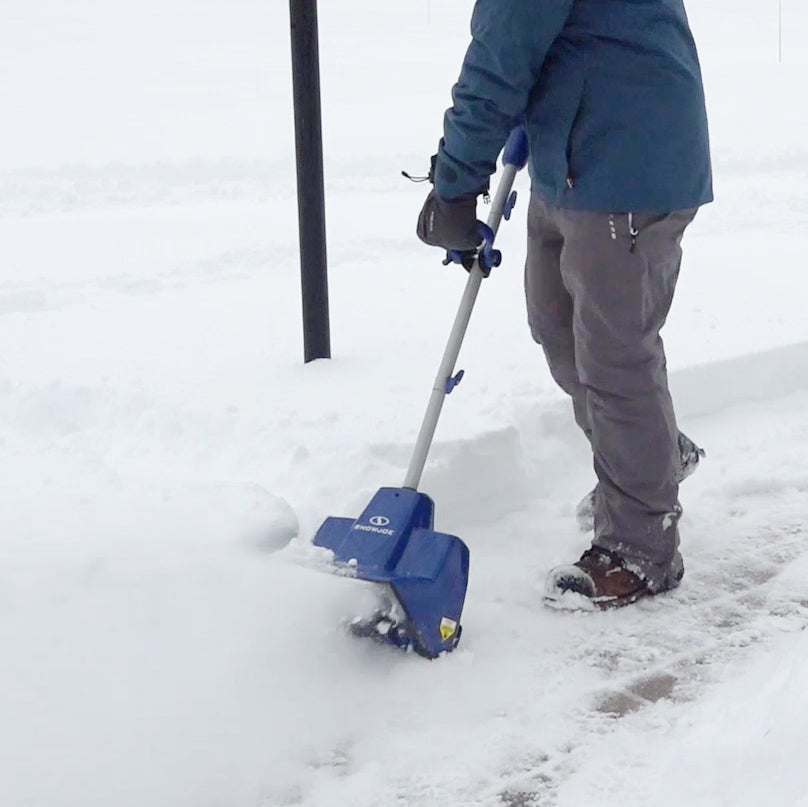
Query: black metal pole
<point x="310" y="191"/>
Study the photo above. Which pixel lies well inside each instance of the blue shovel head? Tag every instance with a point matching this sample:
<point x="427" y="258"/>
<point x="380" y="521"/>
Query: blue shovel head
<point x="393" y="543"/>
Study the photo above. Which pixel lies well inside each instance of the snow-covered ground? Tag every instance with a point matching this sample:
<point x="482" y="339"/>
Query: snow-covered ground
<point x="160" y="436"/>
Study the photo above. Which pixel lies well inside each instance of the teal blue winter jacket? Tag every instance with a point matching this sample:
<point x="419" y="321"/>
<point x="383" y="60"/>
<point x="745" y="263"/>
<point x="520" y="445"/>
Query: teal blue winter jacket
<point x="611" y="95"/>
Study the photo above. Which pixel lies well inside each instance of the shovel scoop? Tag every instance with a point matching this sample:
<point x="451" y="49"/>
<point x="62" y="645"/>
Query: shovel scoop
<point x="423" y="573"/>
<point x="426" y="572"/>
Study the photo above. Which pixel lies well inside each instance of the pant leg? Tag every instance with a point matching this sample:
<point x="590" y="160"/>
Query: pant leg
<point x="621" y="275"/>
<point x="549" y="305"/>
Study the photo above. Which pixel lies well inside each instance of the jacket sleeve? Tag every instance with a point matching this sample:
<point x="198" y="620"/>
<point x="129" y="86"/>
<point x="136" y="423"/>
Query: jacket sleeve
<point x="510" y="40"/>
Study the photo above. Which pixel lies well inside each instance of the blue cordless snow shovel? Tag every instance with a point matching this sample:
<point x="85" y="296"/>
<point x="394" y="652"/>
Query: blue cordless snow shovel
<point x="424" y="573"/>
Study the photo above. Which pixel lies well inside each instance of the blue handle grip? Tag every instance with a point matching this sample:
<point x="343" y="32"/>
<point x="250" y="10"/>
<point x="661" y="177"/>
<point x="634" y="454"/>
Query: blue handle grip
<point x="515" y="151"/>
<point x="485" y="253"/>
<point x="489" y="257"/>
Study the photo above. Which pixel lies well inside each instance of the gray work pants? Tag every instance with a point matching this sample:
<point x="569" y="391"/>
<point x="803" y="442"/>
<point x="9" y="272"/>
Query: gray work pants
<point x="599" y="287"/>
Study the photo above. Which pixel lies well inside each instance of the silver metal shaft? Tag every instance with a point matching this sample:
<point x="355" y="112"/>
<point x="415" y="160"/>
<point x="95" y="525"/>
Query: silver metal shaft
<point x="446" y="370"/>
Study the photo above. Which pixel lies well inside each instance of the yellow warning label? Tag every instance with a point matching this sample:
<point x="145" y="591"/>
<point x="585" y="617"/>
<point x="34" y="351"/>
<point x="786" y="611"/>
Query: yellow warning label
<point x="447" y="628"/>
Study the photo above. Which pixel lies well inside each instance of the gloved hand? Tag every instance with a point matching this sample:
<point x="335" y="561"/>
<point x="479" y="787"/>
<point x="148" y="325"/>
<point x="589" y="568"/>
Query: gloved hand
<point x="449" y="224"/>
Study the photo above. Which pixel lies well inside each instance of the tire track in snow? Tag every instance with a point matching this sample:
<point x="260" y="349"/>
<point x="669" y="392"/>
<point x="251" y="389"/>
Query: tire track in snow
<point x="117" y="185"/>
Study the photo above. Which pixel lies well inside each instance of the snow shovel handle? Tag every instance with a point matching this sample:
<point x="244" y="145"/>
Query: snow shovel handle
<point x="514" y="154"/>
<point x="485" y="253"/>
<point x="514" y="158"/>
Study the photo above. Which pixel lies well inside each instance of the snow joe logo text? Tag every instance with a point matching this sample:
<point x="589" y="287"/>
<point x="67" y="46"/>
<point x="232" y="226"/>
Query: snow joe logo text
<point x="377" y="524"/>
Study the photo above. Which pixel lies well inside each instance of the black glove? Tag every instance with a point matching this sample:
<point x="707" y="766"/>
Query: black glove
<point x="449" y="224"/>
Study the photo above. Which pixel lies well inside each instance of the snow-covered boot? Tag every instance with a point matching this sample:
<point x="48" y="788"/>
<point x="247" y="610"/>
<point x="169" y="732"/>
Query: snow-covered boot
<point x="599" y="579"/>
<point x="690" y="455"/>
<point x="585" y="511"/>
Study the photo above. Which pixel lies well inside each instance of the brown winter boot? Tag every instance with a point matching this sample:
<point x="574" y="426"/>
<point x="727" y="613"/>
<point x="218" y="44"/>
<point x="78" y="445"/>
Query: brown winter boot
<point x="600" y="577"/>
